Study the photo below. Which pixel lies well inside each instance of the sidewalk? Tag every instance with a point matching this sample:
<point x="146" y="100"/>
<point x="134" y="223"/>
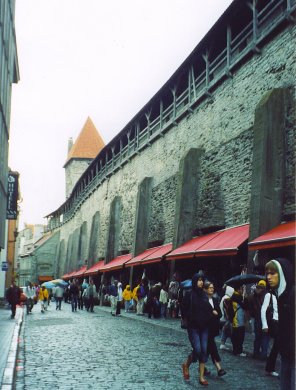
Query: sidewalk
<point x="9" y="334"/>
<point x="174" y="323"/>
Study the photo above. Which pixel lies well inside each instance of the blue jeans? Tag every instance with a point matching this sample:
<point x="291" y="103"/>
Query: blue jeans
<point x="226" y="332"/>
<point x="74" y="301"/>
<point x="163" y="310"/>
<point x="261" y="342"/>
<point x="199" y="341"/>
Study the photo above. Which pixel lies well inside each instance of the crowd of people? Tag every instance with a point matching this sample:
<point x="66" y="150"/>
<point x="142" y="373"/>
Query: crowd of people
<point x="268" y="309"/>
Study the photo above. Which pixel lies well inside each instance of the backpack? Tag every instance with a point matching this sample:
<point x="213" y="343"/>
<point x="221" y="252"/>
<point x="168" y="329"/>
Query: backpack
<point x="185" y="289"/>
<point x="228" y="309"/>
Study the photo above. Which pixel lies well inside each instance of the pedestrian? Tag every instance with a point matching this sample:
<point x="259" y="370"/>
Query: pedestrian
<point x="120" y="298"/>
<point x="135" y="296"/>
<point x="141" y="295"/>
<point x="80" y="297"/>
<point x="127" y="296"/>
<point x="173" y="303"/>
<point x="163" y="299"/>
<point x="270" y="328"/>
<point x="214" y="327"/>
<point x="198" y="312"/>
<point x="224" y="320"/>
<point x="236" y="313"/>
<point x="91" y="295"/>
<point x="43" y="298"/>
<point x="73" y="293"/>
<point x="30" y="294"/>
<point x="280" y="279"/>
<point x="156" y="304"/>
<point x="261" y="341"/>
<point x="13" y="296"/>
<point x="58" y="296"/>
<point x="113" y="292"/>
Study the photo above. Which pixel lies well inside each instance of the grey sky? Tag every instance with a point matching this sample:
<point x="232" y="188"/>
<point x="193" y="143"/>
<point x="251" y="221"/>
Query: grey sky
<point x="80" y="58"/>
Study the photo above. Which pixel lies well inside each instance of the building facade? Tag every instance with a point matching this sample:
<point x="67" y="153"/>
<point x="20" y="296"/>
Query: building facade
<point x="9" y="74"/>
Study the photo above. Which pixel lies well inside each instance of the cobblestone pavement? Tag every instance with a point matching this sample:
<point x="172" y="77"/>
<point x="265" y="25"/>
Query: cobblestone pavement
<point x="81" y="350"/>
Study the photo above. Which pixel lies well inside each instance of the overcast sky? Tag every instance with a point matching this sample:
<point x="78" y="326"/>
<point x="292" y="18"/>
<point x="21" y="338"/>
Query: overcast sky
<point x="97" y="58"/>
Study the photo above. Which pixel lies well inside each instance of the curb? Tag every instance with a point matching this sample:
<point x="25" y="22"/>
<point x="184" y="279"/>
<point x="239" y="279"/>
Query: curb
<point x="9" y="371"/>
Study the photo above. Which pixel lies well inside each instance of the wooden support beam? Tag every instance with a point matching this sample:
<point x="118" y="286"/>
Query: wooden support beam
<point x="193" y="82"/>
<point x="173" y="90"/>
<point x="206" y="59"/>
<point x="253" y="7"/>
<point x="160" y="114"/>
<point x="147" y="114"/>
<point x="228" y="51"/>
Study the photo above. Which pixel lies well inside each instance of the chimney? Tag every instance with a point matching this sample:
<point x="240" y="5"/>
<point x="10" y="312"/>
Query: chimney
<point x="70" y="144"/>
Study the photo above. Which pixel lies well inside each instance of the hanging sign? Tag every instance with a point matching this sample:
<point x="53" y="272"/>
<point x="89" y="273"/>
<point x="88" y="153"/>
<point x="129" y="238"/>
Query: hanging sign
<point x="12" y="196"/>
<point x="4" y="266"/>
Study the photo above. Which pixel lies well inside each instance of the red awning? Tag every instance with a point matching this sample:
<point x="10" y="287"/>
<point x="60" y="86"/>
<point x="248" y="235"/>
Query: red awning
<point x="226" y="243"/>
<point x="187" y="250"/>
<point x="280" y="236"/>
<point x="79" y="273"/>
<point x="94" y="269"/>
<point x="45" y="278"/>
<point x="139" y="259"/>
<point x="221" y="243"/>
<point x="69" y="275"/>
<point x="151" y="255"/>
<point x="116" y="263"/>
<point x="157" y="255"/>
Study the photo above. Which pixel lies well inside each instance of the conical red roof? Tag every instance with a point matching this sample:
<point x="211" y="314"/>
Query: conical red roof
<point x="88" y="143"/>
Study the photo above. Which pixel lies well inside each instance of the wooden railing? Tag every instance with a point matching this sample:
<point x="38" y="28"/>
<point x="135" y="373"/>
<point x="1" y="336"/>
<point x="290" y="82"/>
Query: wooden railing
<point x="199" y="87"/>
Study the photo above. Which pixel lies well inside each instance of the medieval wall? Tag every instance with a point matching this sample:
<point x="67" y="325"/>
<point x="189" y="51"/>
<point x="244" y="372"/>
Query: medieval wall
<point x="222" y="126"/>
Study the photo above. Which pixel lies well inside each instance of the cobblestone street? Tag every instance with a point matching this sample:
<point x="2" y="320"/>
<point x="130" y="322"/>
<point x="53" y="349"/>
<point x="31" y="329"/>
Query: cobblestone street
<point x="81" y="350"/>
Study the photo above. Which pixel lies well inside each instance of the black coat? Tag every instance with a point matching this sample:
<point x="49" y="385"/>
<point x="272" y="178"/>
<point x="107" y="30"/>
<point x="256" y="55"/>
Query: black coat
<point x="13" y="295"/>
<point x="197" y="309"/>
<point x="214" y="327"/>
<point x="286" y="310"/>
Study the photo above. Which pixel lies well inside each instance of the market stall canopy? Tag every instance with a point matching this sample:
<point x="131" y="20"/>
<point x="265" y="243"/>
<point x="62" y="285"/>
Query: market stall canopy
<point x="151" y="255"/>
<point x="94" y="269"/>
<point x="80" y="272"/>
<point x="224" y="242"/>
<point x="116" y="263"/>
<point x="280" y="236"/>
<point x="69" y="275"/>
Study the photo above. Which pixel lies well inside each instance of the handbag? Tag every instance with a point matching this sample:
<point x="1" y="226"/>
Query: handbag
<point x="271" y="323"/>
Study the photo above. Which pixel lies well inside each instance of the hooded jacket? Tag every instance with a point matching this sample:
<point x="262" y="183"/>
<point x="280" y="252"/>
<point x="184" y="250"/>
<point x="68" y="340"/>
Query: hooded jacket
<point x="127" y="294"/>
<point x="285" y="293"/>
<point x="197" y="307"/>
<point x="228" y="294"/>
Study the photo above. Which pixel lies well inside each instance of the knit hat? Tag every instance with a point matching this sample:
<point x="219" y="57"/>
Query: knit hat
<point x="261" y="283"/>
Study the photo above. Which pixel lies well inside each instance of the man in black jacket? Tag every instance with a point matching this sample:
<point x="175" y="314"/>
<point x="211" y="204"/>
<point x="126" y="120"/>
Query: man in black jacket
<point x="280" y="279"/>
<point x="13" y="296"/>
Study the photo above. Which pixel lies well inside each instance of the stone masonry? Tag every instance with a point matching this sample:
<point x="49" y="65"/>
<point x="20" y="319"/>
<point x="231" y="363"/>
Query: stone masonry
<point x="222" y="126"/>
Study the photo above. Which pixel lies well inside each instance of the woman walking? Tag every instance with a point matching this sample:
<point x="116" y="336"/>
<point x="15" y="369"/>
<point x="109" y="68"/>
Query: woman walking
<point x="214" y="328"/>
<point x="198" y="312"/>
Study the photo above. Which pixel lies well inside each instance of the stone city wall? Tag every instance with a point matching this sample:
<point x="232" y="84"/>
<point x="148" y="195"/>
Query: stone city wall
<point x="222" y="126"/>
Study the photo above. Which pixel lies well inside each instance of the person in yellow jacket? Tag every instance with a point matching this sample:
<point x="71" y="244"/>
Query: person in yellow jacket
<point x="135" y="295"/>
<point x="127" y="295"/>
<point x="43" y="298"/>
